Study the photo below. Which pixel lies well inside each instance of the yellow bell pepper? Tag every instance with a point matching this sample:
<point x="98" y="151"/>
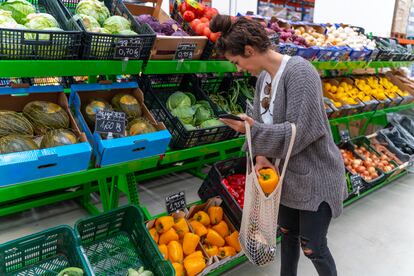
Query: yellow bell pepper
<point x="175" y="252"/>
<point x="196" y="254"/>
<point x="216" y="214"/>
<point x="194" y="265"/>
<point x="154" y="234"/>
<point x="179" y="269"/>
<point x="163" y="224"/>
<point x="199" y="229"/>
<point x="181" y="227"/>
<point x="226" y="251"/>
<point x="214" y="238"/>
<point x="164" y="250"/>
<point x="190" y="243"/>
<point x="233" y="241"/>
<point x="211" y="250"/>
<point x="202" y="217"/>
<point x="268" y="180"/>
<point x="168" y="236"/>
<point x="222" y="229"/>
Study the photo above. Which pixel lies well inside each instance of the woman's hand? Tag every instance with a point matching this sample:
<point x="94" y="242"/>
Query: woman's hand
<point x="238" y="125"/>
<point x="261" y="163"/>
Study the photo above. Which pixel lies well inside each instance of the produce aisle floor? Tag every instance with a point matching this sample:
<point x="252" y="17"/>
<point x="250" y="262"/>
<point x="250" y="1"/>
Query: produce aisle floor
<point x="373" y="236"/>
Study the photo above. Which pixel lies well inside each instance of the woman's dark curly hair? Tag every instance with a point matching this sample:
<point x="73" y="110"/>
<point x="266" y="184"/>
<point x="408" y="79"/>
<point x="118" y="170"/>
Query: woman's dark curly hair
<point x="238" y="34"/>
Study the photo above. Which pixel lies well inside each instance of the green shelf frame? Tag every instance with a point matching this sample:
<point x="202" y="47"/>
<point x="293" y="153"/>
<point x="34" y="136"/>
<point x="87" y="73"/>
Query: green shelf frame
<point x="333" y="65"/>
<point x="183" y="67"/>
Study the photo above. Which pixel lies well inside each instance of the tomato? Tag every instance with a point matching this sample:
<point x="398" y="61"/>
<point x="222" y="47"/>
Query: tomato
<point x="208" y="13"/>
<point x="214" y="37"/>
<point x="200" y="10"/>
<point x="206" y="31"/>
<point x="200" y="28"/>
<point x="188" y="16"/>
<point x="204" y="20"/>
<point x="194" y="23"/>
<point x="182" y="7"/>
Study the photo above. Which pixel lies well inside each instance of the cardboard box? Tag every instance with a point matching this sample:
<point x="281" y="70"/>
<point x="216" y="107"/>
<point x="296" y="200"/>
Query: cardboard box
<point x="118" y="150"/>
<point x="165" y="47"/>
<point x="36" y="164"/>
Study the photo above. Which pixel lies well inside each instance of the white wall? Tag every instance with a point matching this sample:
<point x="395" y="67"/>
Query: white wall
<point x="232" y="7"/>
<point x="373" y="15"/>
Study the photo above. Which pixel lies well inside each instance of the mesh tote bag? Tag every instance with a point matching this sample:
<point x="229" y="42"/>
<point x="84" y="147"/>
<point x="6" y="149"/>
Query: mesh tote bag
<point x="260" y="213"/>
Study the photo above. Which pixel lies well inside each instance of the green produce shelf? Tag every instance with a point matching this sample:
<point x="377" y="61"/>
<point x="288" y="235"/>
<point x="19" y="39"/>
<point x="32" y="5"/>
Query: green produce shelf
<point x="182" y="67"/>
<point x="333" y="65"/>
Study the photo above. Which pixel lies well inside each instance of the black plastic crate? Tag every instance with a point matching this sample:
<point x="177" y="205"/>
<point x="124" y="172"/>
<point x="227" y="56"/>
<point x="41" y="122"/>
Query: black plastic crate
<point x="213" y="186"/>
<point x="103" y="46"/>
<point x="42" y="44"/>
<point x="158" y="88"/>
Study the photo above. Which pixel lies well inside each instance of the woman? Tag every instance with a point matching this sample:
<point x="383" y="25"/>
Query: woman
<point x="288" y="91"/>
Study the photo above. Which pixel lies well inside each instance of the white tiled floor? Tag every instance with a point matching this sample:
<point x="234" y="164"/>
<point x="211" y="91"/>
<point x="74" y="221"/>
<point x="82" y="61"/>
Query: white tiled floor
<point x="374" y="236"/>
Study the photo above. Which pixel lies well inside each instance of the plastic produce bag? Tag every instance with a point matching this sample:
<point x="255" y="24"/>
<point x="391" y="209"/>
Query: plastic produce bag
<point x="393" y="140"/>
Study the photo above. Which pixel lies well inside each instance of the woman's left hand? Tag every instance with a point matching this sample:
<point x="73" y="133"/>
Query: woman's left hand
<point x="238" y="125"/>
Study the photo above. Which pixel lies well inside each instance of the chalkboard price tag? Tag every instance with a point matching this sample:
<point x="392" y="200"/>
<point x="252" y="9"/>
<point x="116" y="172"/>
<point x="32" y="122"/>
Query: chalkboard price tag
<point x="175" y="202"/>
<point x="110" y="122"/>
<point x="129" y="48"/>
<point x="356" y="182"/>
<point x="345" y="136"/>
<point x="185" y="51"/>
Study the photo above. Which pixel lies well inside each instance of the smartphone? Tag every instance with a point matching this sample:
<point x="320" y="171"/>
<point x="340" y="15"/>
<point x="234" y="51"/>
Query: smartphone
<point x="230" y="117"/>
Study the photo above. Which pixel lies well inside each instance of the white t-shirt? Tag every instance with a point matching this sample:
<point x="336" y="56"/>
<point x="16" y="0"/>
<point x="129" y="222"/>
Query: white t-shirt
<point x="267" y="116"/>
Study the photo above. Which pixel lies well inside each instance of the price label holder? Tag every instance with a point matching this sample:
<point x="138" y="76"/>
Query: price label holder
<point x="175" y="202"/>
<point x="345" y="136"/>
<point x="185" y="51"/>
<point x="129" y="48"/>
<point x="110" y="122"/>
<point x="356" y="183"/>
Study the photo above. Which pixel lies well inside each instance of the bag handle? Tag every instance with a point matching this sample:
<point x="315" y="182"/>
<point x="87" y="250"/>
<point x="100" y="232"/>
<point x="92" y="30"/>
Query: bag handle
<point x="288" y="154"/>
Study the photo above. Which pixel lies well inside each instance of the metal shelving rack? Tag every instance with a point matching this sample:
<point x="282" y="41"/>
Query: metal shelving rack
<point x="111" y="181"/>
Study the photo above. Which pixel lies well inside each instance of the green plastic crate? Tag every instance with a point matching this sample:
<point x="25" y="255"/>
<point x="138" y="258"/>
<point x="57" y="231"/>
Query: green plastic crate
<point x="118" y="240"/>
<point x="44" y="253"/>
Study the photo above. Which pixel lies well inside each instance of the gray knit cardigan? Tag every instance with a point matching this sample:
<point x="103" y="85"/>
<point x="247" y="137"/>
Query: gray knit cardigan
<point x="316" y="170"/>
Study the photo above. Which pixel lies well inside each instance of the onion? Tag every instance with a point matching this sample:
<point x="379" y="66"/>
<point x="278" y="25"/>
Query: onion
<point x="371" y="170"/>
<point x="387" y="169"/>
<point x="367" y="178"/>
<point x="360" y="169"/>
<point x="384" y="157"/>
<point x="357" y="162"/>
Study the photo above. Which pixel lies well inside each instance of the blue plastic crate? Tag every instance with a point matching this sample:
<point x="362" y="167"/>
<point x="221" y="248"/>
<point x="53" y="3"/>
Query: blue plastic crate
<point x="36" y="164"/>
<point x="309" y="53"/>
<point x="360" y="55"/>
<point x="118" y="150"/>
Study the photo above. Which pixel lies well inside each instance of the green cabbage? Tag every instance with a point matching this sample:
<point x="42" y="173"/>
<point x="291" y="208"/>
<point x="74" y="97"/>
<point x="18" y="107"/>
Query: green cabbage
<point x="115" y="24"/>
<point x="184" y="113"/>
<point x="127" y="32"/>
<point x="89" y="22"/>
<point x="202" y="114"/>
<point x="178" y="99"/>
<point x="6" y="20"/>
<point x="41" y="21"/>
<point x="211" y="123"/>
<point x="19" y="9"/>
<point x="94" y="8"/>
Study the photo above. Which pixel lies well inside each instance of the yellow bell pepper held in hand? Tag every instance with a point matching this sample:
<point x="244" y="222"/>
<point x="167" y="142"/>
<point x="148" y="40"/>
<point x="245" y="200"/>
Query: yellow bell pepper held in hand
<point x="154" y="234"/>
<point x="194" y="265"/>
<point x="216" y="214"/>
<point x="164" y="250"/>
<point x="214" y="238"/>
<point x="190" y="243"/>
<point x="179" y="269"/>
<point x="202" y="217"/>
<point x="211" y="250"/>
<point x="181" y="227"/>
<point x="199" y="229"/>
<point x="196" y="254"/>
<point x="222" y="229"/>
<point x="226" y="251"/>
<point x="268" y="180"/>
<point x="168" y="236"/>
<point x="233" y="241"/>
<point x="163" y="224"/>
<point x="175" y="252"/>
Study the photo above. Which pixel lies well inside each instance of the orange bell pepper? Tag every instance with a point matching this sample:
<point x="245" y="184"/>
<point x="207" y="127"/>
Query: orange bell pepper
<point x="214" y="238"/>
<point x="168" y="236"/>
<point x="190" y="243"/>
<point x="233" y="241"/>
<point x="202" y="217"/>
<point x="216" y="214"/>
<point x="164" y="250"/>
<point x="179" y="269"/>
<point x="194" y="265"/>
<point x="199" y="229"/>
<point x="163" y="224"/>
<point x="181" y="227"/>
<point x="222" y="229"/>
<point x="226" y="251"/>
<point x="154" y="234"/>
<point x="268" y="180"/>
<point x="175" y="252"/>
<point x="196" y="254"/>
<point x="211" y="250"/>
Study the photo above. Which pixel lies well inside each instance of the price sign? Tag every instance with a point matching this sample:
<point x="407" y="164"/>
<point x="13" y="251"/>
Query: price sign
<point x="110" y="122"/>
<point x="175" y="202"/>
<point x="185" y="51"/>
<point x="356" y="182"/>
<point x="345" y="136"/>
<point x="129" y="48"/>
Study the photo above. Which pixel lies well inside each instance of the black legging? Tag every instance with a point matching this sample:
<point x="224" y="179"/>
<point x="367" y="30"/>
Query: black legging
<point x="306" y="229"/>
